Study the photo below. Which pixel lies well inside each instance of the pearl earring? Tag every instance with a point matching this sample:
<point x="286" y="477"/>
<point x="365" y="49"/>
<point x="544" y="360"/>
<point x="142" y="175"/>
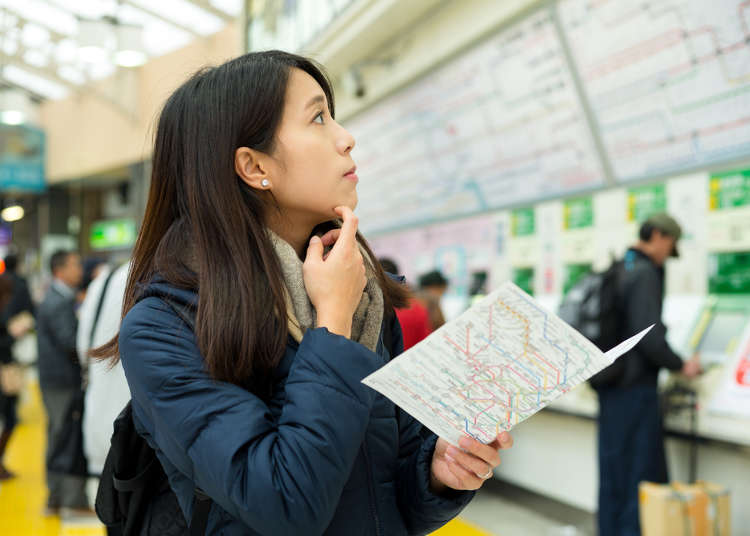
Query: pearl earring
<point x="264" y="183"/>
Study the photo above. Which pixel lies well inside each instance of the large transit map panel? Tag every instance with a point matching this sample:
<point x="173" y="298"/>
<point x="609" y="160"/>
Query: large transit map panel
<point x="668" y="80"/>
<point x="499" y="125"/>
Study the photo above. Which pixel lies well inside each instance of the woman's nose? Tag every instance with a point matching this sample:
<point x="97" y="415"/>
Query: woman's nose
<point x="345" y="141"/>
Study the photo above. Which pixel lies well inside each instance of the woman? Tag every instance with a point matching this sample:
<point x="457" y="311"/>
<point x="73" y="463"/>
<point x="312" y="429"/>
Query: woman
<point x="262" y="407"/>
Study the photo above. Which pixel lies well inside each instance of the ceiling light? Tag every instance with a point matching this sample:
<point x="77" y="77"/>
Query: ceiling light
<point x="12" y="117"/>
<point x="130" y="58"/>
<point x="12" y="213"/>
<point x="36" y="58"/>
<point x="93" y="35"/>
<point x="129" y="46"/>
<point x="15" y="106"/>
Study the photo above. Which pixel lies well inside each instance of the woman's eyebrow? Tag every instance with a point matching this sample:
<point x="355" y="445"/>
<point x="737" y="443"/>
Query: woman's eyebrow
<point x="317" y="99"/>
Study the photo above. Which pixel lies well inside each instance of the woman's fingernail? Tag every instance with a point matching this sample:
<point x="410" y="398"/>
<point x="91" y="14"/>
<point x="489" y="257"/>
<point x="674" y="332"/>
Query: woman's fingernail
<point x="449" y="458"/>
<point x="464" y="442"/>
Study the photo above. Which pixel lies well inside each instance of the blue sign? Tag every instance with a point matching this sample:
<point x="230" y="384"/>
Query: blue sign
<point x="21" y="158"/>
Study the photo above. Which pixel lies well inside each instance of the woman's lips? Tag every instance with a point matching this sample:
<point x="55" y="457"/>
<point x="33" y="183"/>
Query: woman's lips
<point x="352" y="174"/>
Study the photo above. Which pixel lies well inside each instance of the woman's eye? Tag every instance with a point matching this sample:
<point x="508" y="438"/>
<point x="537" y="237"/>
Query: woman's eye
<point x="318" y="118"/>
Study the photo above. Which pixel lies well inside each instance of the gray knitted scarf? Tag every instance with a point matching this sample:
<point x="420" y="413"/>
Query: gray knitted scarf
<point x="367" y="318"/>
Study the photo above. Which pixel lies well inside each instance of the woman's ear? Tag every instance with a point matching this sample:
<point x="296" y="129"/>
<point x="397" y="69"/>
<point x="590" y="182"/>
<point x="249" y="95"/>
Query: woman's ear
<point x="251" y="167"/>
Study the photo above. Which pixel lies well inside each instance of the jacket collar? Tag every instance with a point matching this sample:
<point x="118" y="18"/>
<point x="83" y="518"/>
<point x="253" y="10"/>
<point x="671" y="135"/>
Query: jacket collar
<point x="634" y="255"/>
<point x="62" y="288"/>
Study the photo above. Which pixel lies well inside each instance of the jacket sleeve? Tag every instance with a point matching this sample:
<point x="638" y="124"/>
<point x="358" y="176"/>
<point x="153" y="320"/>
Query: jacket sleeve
<point x="422" y="510"/>
<point x="63" y="325"/>
<point x="280" y="476"/>
<point x="643" y="309"/>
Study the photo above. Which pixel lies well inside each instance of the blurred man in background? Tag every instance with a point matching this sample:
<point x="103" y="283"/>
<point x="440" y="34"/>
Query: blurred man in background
<point x="631" y="438"/>
<point x="61" y="385"/>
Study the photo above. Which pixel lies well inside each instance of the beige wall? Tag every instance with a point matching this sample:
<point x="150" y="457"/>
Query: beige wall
<point x="93" y="131"/>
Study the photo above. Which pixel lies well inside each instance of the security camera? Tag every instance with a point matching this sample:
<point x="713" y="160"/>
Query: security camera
<point x="352" y="82"/>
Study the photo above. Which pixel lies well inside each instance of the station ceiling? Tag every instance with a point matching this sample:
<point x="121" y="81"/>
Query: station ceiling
<point x="41" y="41"/>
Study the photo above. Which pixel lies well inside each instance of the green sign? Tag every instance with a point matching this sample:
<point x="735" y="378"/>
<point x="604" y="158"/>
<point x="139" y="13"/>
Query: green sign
<point x="646" y="200"/>
<point x="112" y="234"/>
<point x="573" y="273"/>
<point x="729" y="273"/>
<point x="522" y="222"/>
<point x="728" y="190"/>
<point x="578" y="213"/>
<point x="524" y="278"/>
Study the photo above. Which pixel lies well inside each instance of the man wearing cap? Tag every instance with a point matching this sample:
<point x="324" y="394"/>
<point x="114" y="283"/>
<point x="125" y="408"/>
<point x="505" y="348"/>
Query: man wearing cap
<point x="631" y="439"/>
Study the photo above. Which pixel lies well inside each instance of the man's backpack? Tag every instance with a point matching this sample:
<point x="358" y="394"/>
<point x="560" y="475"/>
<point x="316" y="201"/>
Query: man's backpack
<point x="592" y="306"/>
<point x="134" y="496"/>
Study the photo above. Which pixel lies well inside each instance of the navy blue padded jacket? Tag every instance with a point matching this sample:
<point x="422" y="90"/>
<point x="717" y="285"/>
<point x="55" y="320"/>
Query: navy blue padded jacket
<point x="325" y="455"/>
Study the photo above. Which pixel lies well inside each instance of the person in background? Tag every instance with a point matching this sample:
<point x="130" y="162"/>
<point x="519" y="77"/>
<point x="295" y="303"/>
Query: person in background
<point x="21" y="298"/>
<point x="61" y="385"/>
<point x="432" y="286"/>
<point x="631" y="439"/>
<point x="16" y="319"/>
<point x="107" y="389"/>
<point x="8" y="398"/>
<point x="414" y="318"/>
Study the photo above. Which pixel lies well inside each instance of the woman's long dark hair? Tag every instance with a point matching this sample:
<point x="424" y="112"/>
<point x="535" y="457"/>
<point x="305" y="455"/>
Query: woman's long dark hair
<point x="198" y="204"/>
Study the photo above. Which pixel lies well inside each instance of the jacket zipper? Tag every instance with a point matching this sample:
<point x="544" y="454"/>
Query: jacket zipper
<point x="373" y="506"/>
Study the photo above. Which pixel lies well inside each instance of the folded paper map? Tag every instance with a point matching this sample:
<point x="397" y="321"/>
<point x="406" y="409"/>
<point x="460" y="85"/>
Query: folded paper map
<point x="494" y="366"/>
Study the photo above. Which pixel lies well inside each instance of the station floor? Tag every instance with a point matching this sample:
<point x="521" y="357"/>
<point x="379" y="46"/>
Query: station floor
<point x="22" y="499"/>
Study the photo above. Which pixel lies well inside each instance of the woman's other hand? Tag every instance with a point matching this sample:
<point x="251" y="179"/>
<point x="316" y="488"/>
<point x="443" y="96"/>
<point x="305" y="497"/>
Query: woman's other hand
<point x="335" y="282"/>
<point x="467" y="467"/>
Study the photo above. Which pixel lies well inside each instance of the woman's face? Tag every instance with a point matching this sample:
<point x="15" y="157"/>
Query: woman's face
<point x="312" y="168"/>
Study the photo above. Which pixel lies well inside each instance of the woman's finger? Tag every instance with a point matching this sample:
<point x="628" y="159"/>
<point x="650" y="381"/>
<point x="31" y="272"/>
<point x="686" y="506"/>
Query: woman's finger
<point x="503" y="441"/>
<point x="484" y="452"/>
<point x="348" y="235"/>
<point x="470" y="462"/>
<point x="467" y="478"/>
<point x="330" y="237"/>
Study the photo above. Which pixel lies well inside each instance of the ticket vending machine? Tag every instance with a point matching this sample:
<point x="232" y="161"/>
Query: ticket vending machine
<point x="719" y="329"/>
<point x="719" y="333"/>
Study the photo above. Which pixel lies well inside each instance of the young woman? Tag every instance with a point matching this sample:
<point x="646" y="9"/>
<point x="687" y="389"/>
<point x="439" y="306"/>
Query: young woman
<point x="249" y="221"/>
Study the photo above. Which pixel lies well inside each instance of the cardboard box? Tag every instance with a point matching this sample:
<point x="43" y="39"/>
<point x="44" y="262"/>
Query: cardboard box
<point x="676" y="509"/>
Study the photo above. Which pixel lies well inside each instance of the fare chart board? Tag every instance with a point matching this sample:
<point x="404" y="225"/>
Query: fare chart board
<point x="665" y="86"/>
<point x="668" y="81"/>
<point x="499" y="125"/>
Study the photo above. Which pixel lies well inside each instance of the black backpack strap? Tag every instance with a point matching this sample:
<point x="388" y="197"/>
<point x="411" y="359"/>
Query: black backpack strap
<point x="141" y="480"/>
<point x="201" y="509"/>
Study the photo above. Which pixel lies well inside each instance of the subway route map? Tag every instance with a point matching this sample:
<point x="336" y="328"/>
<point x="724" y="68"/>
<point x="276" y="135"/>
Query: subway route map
<point x="492" y="367"/>
<point x="668" y="80"/>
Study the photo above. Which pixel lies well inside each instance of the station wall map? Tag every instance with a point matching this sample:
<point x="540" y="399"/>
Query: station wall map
<point x="499" y="125"/>
<point x="668" y="81"/>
